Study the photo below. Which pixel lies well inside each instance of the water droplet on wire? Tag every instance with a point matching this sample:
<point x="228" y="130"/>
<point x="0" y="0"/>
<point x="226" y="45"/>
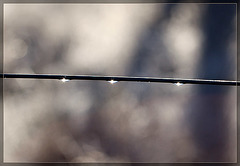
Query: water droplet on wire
<point x="178" y="83"/>
<point x="64" y="80"/>
<point x="112" y="82"/>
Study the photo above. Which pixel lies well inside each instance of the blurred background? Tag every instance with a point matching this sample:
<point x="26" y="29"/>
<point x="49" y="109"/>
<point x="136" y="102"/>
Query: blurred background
<point x="94" y="121"/>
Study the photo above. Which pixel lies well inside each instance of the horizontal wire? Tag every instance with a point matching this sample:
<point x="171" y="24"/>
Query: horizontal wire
<point x="122" y="78"/>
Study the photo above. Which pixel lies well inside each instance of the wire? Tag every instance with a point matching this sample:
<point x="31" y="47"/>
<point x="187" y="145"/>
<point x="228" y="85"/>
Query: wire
<point x="113" y="79"/>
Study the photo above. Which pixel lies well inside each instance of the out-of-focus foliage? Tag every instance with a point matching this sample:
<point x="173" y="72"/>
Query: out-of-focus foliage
<point x="94" y="121"/>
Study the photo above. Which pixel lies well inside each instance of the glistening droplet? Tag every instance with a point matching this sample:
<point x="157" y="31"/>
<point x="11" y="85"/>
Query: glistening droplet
<point x="112" y="82"/>
<point x="64" y="80"/>
<point x="178" y="83"/>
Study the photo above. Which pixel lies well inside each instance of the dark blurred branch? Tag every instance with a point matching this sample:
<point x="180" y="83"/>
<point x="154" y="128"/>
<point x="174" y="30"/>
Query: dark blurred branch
<point x="123" y="78"/>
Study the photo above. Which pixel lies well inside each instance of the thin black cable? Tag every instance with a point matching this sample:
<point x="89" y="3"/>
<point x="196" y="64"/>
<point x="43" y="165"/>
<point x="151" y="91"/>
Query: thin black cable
<point x="122" y="78"/>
